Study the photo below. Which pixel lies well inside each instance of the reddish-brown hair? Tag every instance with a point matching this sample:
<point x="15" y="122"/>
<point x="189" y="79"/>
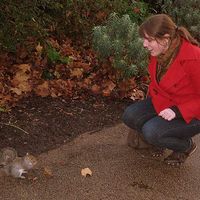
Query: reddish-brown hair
<point x="157" y="26"/>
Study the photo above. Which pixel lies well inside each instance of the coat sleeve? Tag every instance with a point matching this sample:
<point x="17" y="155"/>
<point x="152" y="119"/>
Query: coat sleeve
<point x="191" y="108"/>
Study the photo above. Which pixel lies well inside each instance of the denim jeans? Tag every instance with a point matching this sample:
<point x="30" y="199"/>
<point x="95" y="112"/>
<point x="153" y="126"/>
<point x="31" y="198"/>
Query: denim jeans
<point x="174" y="135"/>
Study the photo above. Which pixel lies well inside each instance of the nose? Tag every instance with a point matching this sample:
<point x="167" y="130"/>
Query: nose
<point x="145" y="43"/>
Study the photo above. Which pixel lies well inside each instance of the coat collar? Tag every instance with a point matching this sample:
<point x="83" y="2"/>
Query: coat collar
<point x="175" y="72"/>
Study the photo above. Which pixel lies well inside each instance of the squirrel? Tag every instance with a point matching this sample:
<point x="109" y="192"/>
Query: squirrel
<point x="16" y="166"/>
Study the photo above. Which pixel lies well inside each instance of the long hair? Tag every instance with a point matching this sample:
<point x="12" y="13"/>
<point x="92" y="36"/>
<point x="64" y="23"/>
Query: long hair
<point x="157" y="26"/>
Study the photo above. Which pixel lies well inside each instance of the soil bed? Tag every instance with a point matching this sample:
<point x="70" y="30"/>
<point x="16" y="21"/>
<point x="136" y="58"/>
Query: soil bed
<point x="39" y="124"/>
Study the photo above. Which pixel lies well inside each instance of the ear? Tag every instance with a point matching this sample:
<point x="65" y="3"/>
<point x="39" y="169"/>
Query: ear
<point x="166" y="40"/>
<point x="166" y="35"/>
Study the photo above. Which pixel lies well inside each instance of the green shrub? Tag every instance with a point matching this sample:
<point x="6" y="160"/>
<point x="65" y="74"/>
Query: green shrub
<point x="119" y="40"/>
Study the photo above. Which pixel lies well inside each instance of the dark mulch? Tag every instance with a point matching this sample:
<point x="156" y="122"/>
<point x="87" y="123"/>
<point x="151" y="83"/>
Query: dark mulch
<point x="39" y="124"/>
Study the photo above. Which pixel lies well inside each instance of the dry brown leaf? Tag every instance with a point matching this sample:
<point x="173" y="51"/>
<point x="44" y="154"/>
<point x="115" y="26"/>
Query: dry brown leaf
<point x="42" y="89"/>
<point x="85" y="83"/>
<point x="39" y="49"/>
<point x="20" y="81"/>
<point x="109" y="88"/>
<point x="54" y="43"/>
<point x="24" y="67"/>
<point x="61" y="87"/>
<point x="86" y="172"/>
<point x="77" y="72"/>
<point x="16" y="91"/>
<point x="109" y="84"/>
<point x="106" y="92"/>
<point x="48" y="171"/>
<point x="84" y="66"/>
<point x="22" y="87"/>
<point x="20" y="77"/>
<point x="95" y="89"/>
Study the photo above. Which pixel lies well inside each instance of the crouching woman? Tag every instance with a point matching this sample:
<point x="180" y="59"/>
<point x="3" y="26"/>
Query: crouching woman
<point x="170" y="116"/>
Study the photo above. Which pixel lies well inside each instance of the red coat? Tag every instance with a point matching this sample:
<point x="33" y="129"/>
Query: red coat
<point x="180" y="86"/>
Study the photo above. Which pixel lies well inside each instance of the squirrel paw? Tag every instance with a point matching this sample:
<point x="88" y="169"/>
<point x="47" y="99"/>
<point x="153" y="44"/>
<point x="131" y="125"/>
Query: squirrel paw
<point x="21" y="172"/>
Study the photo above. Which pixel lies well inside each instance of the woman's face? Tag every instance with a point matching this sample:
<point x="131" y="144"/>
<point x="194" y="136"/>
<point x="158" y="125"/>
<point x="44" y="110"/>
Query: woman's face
<point x="155" y="46"/>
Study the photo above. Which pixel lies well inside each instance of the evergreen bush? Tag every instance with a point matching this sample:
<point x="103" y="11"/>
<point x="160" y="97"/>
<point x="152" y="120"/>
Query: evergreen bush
<point x="118" y="39"/>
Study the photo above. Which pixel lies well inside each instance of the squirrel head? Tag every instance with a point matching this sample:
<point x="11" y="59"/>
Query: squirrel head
<point x="29" y="161"/>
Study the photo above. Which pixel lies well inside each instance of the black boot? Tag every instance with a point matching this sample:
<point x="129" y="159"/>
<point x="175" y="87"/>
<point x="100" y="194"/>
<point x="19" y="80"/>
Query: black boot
<point x="178" y="158"/>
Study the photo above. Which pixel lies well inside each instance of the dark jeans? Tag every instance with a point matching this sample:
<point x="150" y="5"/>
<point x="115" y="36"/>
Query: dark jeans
<point x="175" y="134"/>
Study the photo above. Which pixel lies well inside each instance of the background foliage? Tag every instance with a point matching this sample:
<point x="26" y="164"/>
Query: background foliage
<point x="74" y="18"/>
<point x="22" y="19"/>
<point x="46" y="47"/>
<point x="185" y="13"/>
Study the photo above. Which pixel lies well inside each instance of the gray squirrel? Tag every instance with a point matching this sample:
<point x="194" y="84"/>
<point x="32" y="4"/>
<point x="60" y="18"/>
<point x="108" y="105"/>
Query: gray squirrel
<point x="16" y="166"/>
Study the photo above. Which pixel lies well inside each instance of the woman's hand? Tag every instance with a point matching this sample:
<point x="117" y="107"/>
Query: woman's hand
<point x="167" y="114"/>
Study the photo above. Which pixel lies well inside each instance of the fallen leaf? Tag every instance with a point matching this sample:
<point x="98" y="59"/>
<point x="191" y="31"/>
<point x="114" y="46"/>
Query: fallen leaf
<point x="109" y="88"/>
<point x="77" y="72"/>
<point x="20" y="81"/>
<point x="82" y="65"/>
<point x="43" y="89"/>
<point x="16" y="91"/>
<point x="86" y="172"/>
<point x="24" y="67"/>
<point x="106" y="92"/>
<point x="95" y="89"/>
<point x="48" y="171"/>
<point x="39" y="49"/>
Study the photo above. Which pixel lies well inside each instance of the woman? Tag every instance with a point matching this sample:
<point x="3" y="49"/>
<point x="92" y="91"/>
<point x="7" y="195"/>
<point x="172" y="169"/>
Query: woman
<point x="170" y="116"/>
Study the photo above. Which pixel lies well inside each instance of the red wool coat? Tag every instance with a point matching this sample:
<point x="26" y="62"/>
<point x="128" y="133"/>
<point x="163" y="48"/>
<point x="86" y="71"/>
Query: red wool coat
<point x="180" y="86"/>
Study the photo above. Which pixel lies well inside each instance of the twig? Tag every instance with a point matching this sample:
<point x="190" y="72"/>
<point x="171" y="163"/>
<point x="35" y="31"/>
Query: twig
<point x="9" y="124"/>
